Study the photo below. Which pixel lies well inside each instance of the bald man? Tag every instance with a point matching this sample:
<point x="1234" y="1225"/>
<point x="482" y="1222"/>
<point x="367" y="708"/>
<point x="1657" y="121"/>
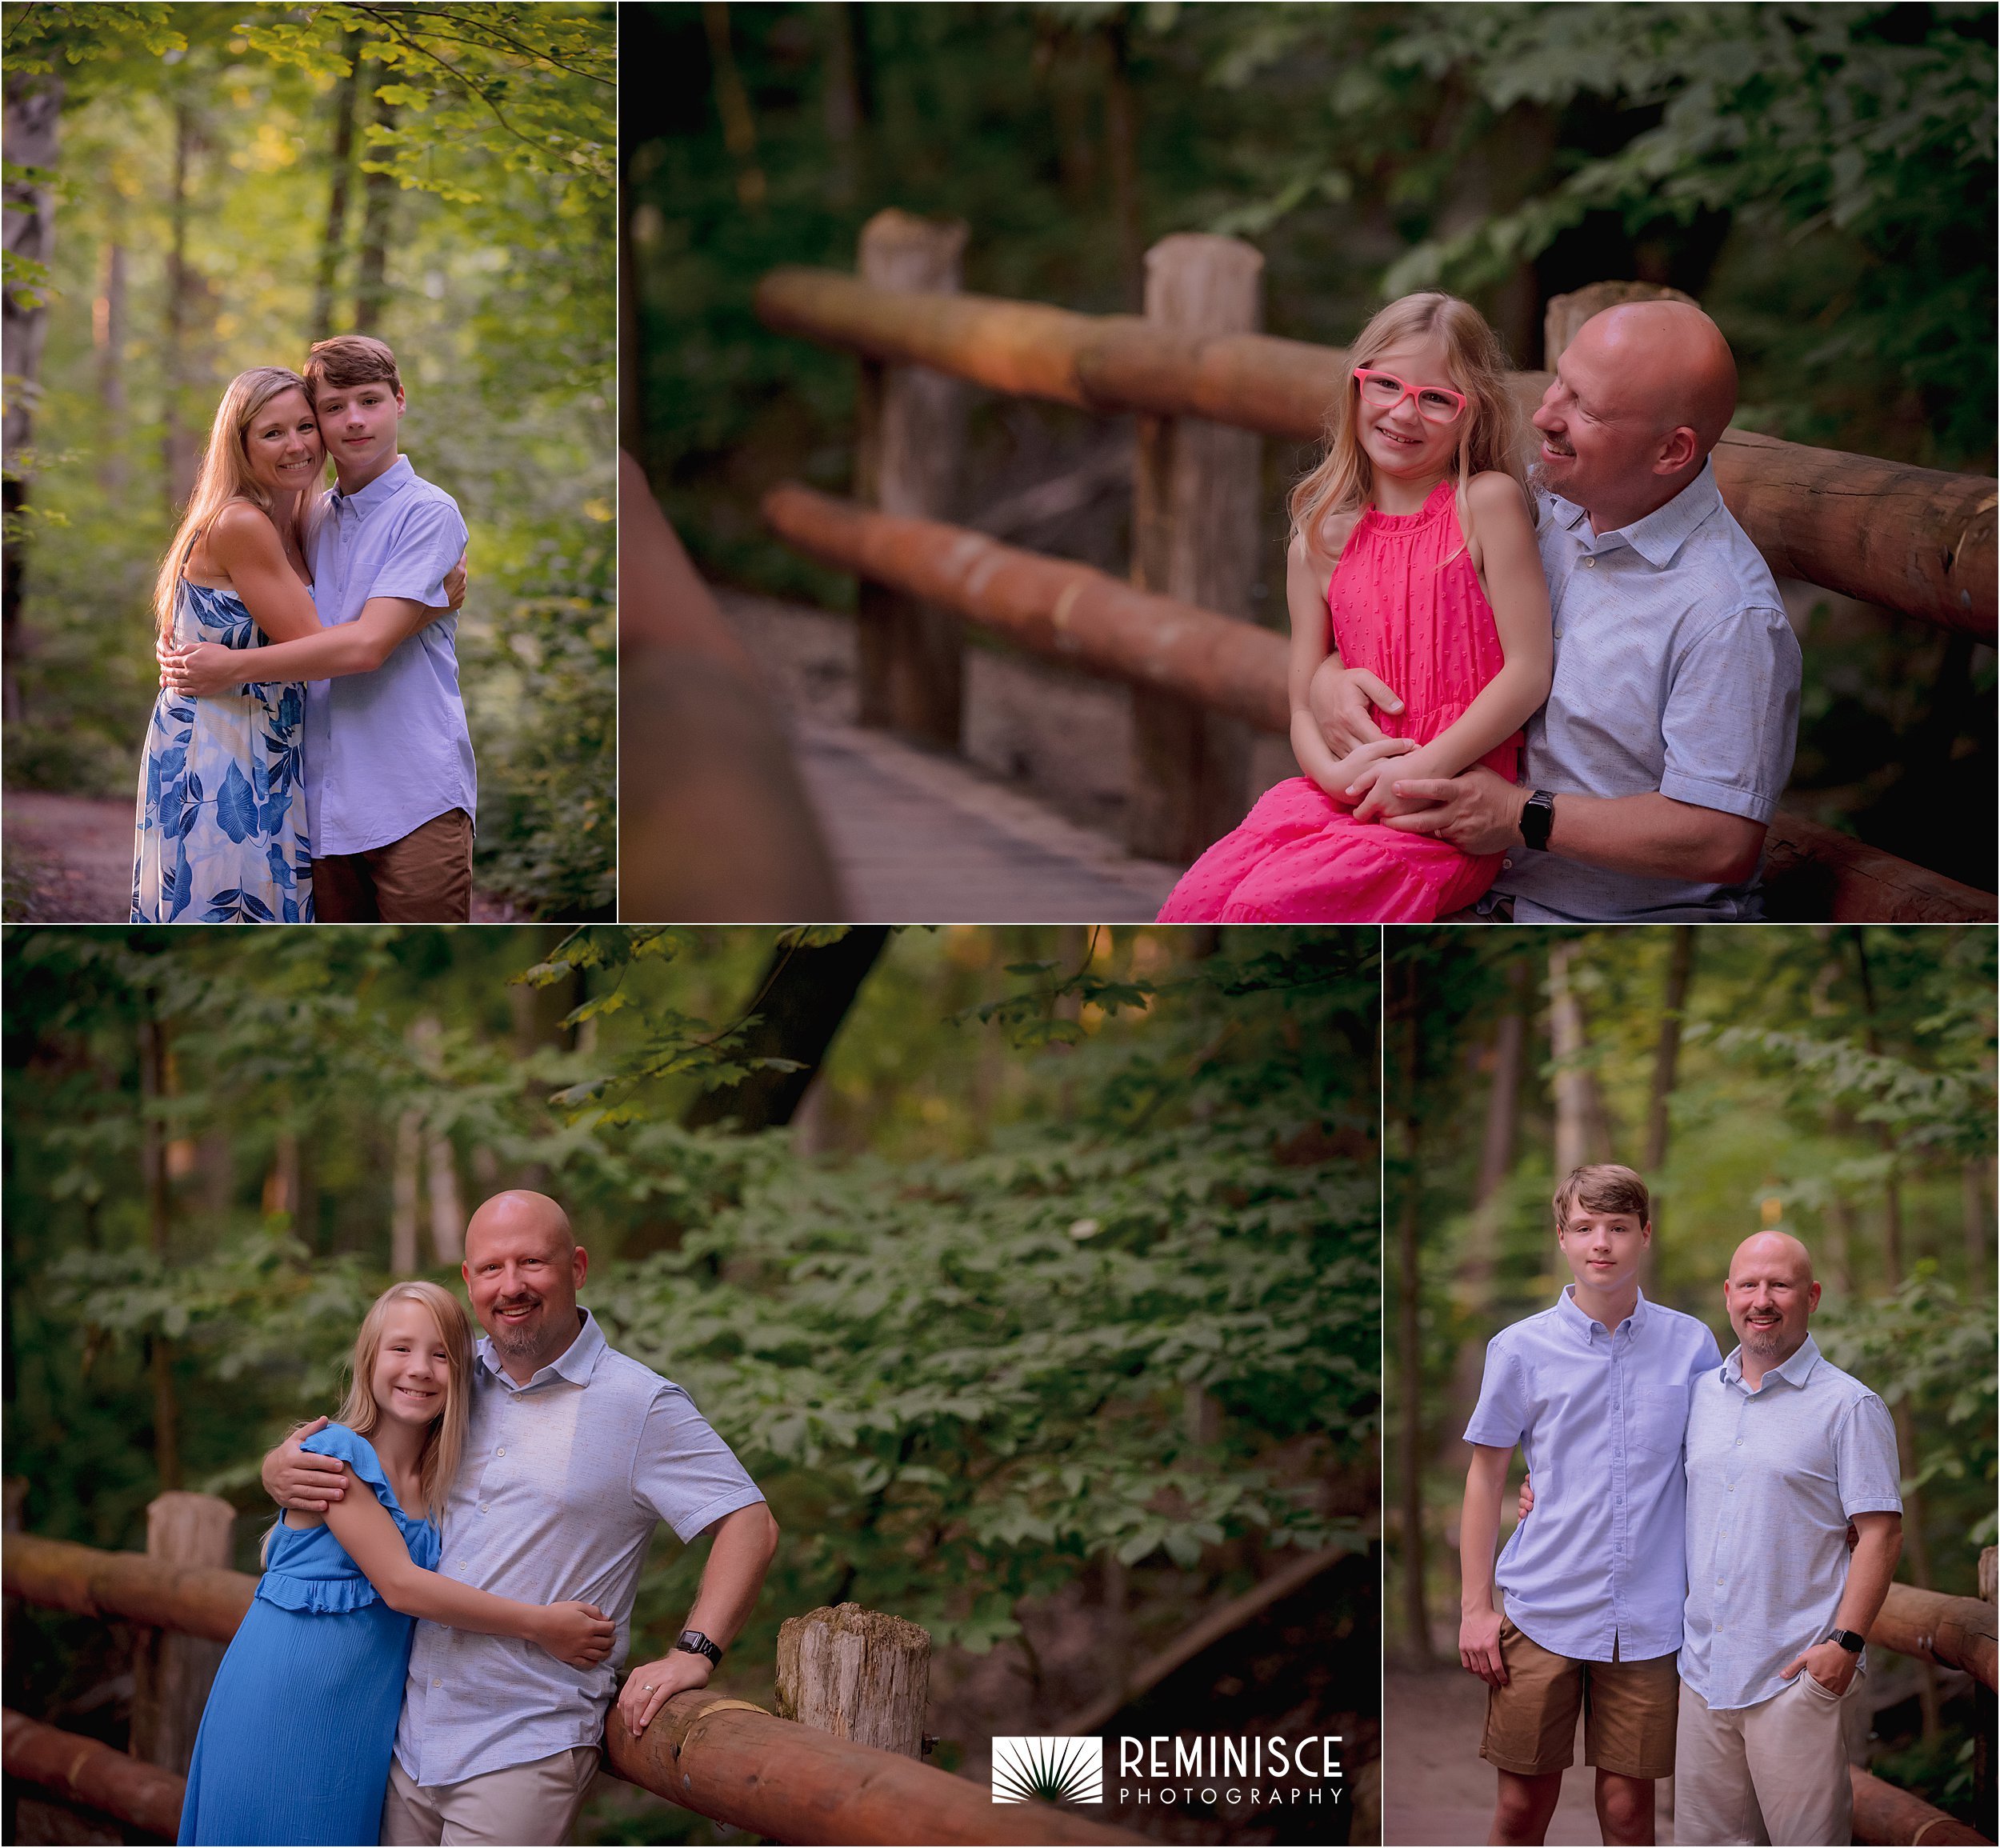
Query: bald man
<point x="1783" y="1451"/>
<point x="573" y="1452"/>
<point x="1654" y="769"/>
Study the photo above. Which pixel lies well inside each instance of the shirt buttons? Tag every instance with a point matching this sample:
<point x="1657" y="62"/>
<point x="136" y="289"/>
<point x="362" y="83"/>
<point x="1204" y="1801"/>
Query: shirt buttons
<point x="437" y="1684"/>
<point x="1506" y="865"/>
<point x="482" y="1507"/>
<point x="1590" y="564"/>
<point x="502" y="1451"/>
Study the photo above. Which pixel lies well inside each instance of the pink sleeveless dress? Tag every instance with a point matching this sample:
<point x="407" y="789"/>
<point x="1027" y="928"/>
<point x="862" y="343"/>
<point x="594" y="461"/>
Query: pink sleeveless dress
<point x="1399" y="609"/>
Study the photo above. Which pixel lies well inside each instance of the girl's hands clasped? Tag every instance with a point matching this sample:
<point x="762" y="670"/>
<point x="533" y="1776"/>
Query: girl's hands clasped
<point x="579" y="1634"/>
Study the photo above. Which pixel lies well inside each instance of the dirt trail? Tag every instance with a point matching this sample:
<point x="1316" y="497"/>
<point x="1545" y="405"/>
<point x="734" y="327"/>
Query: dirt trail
<point x="1435" y="1787"/>
<point x="69" y="861"/>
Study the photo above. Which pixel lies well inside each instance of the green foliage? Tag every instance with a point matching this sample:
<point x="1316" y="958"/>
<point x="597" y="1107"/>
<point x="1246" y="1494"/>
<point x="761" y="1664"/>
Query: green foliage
<point x="500" y="278"/>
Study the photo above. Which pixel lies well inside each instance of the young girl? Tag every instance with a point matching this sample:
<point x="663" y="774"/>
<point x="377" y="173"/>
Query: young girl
<point x="1413" y="568"/>
<point x="294" y="1745"/>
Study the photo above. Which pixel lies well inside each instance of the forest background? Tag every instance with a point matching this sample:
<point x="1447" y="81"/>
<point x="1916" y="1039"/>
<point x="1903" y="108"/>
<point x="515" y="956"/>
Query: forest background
<point x="1835" y="1084"/>
<point x="1820" y="177"/>
<point x="193" y="190"/>
<point x="1037" y="1283"/>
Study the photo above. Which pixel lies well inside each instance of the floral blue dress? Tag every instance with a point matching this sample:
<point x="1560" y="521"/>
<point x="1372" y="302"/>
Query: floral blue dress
<point x="296" y="1738"/>
<point x="221" y="836"/>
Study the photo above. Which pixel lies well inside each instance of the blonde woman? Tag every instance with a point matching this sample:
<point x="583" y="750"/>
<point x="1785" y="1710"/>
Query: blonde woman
<point x="1413" y="559"/>
<point x="221" y="835"/>
<point x="294" y="1745"/>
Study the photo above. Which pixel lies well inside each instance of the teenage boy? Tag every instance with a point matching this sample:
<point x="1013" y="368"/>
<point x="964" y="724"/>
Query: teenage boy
<point x="1595" y="1392"/>
<point x="390" y="787"/>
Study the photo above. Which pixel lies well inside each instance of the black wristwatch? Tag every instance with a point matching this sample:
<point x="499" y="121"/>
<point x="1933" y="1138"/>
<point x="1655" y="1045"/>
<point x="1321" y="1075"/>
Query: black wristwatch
<point x="1537" y="816"/>
<point x="696" y="1644"/>
<point x="1851" y="1640"/>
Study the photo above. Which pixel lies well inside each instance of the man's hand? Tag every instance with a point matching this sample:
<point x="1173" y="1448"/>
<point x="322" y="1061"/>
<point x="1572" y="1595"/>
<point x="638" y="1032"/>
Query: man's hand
<point x="203" y="669"/>
<point x="1479" y="1646"/>
<point x="455" y="585"/>
<point x="1343" y="701"/>
<point x="303" y="1479"/>
<point x="1526" y="1506"/>
<point x="1478" y="813"/>
<point x="1827" y="1663"/>
<point x="652" y="1684"/>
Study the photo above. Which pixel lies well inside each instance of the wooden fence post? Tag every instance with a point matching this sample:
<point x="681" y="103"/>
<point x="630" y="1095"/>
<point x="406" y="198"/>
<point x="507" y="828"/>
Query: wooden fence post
<point x="909" y="451"/>
<point x="172" y="1672"/>
<point x="858" y="1674"/>
<point x="1195" y="490"/>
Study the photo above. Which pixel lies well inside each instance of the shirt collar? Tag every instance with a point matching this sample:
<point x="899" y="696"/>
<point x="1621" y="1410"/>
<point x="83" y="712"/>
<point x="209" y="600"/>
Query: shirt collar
<point x="385" y="486"/>
<point x="1661" y="533"/>
<point x="1797" y="1370"/>
<point x="1588" y="1327"/>
<point x="574" y="1364"/>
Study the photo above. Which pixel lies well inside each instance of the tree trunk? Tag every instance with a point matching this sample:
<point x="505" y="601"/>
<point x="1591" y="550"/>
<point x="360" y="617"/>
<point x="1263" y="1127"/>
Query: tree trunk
<point x="281" y="1183"/>
<point x="346" y="93"/>
<point x="402" y="1195"/>
<point x="181" y="444"/>
<point x="377" y="209"/>
<point x="166" y="1449"/>
<point x="840" y="103"/>
<point x="1409" y="1334"/>
<point x="1667" y="1052"/>
<point x="1120" y="145"/>
<point x="1972" y="1176"/>
<point x="803" y="996"/>
<point x="733" y="105"/>
<point x="1582" y="1135"/>
<point x="1477" y="1261"/>
<point x="108" y="325"/>
<point x="33" y="115"/>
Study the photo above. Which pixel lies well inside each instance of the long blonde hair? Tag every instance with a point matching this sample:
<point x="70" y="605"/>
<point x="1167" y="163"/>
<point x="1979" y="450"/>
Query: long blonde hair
<point x="445" y="1442"/>
<point x="224" y="475"/>
<point x="1488" y="439"/>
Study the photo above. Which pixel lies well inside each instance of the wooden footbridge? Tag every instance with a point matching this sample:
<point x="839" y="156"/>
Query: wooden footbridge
<point x="1205" y="387"/>
<point x="846" y="1768"/>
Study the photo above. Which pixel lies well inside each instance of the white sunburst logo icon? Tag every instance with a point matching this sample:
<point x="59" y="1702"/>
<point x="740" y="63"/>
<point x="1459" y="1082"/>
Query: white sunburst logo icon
<point x="1048" y="1771"/>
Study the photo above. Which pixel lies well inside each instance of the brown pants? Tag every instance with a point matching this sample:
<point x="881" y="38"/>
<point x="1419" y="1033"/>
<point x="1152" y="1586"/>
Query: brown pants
<point x="424" y="878"/>
<point x="1628" y="1710"/>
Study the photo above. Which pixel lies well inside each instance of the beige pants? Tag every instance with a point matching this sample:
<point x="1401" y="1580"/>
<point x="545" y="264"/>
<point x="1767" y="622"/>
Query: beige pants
<point x="1775" y="1772"/>
<point x="524" y="1804"/>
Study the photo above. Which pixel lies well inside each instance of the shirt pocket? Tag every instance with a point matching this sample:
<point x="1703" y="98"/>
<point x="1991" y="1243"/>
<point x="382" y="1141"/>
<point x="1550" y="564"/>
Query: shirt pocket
<point x="1659" y="1419"/>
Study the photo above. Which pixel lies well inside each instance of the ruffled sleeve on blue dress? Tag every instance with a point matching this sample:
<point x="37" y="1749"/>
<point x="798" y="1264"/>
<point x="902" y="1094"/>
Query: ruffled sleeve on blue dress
<point x="307" y="1569"/>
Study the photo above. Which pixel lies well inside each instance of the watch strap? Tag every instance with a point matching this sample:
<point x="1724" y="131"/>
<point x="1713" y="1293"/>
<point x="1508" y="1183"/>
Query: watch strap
<point x="695" y="1643"/>
<point x="1851" y="1640"/>
<point x="1537" y="816"/>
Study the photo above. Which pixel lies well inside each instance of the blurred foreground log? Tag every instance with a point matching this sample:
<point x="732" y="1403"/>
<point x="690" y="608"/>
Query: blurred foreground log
<point x="736" y="1764"/>
<point x="1933" y="1626"/>
<point x="1920" y="541"/>
<point x="207" y="1601"/>
<point x="1085" y="618"/>
<point x="92" y="1773"/>
<point x="1883" y="1813"/>
<point x="714" y="826"/>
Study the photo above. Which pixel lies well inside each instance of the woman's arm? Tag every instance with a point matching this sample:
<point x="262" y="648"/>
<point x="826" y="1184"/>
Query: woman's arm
<point x="242" y="541"/>
<point x="1511" y="566"/>
<point x="580" y="1634"/>
<point x="360" y="647"/>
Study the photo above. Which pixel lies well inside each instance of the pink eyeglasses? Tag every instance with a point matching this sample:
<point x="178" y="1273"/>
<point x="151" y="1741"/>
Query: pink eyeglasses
<point x="1385" y="391"/>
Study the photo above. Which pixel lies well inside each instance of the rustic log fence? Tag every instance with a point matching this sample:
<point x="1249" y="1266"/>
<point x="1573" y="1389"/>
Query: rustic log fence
<point x="853" y="1678"/>
<point x="1204" y="385"/>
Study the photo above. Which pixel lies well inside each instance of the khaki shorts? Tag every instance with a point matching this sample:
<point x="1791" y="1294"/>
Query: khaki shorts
<point x="426" y="877"/>
<point x="535" y="1803"/>
<point x="1629" y="1710"/>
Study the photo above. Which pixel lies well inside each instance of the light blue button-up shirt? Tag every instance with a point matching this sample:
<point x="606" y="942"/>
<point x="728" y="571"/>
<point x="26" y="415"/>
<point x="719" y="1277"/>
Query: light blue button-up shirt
<point x="1595" y="1571"/>
<point x="1675" y="670"/>
<point x="562" y="1481"/>
<point x="387" y="751"/>
<point x="1774" y="1477"/>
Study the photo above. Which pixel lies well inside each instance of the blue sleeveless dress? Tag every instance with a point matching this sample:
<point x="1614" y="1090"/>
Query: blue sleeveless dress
<point x="295" y="1741"/>
<point x="221" y="836"/>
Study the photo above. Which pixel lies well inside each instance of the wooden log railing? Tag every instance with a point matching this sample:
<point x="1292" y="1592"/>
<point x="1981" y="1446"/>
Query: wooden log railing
<point x="1919" y="540"/>
<point x="725" y="1758"/>
<point x="1086" y="618"/>
<point x="1934" y="1627"/>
